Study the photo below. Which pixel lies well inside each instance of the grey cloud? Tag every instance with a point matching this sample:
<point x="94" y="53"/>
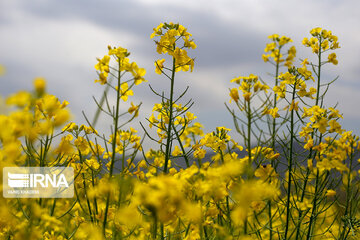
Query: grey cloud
<point x="219" y="44"/>
<point x="225" y="49"/>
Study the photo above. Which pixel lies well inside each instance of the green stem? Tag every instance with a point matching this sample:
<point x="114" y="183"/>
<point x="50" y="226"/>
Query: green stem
<point x="290" y="162"/>
<point x="270" y="220"/>
<point x="312" y="217"/>
<point x="162" y="231"/>
<point x="168" y="140"/>
<point x="273" y="146"/>
<point x="301" y="199"/>
<point x="248" y="110"/>
<point x="155" y="228"/>
<point x="228" y="213"/>
<point x="85" y="187"/>
<point x="274" y="120"/>
<point x="87" y="198"/>
<point x="116" y="122"/>
<point x="312" y="136"/>
<point x="182" y="148"/>
<point x="348" y="205"/>
<point x="53" y="207"/>
<point x="98" y="110"/>
<point x="313" y="212"/>
<point x="93" y="185"/>
<point x="205" y="233"/>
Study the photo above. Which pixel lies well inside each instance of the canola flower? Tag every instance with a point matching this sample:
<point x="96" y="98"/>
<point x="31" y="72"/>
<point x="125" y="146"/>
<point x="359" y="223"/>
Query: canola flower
<point x="172" y="118"/>
<point x="273" y="51"/>
<point x="123" y="191"/>
<point x="170" y="34"/>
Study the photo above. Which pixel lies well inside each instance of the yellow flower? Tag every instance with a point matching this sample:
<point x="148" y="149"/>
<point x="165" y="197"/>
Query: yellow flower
<point x="54" y="111"/>
<point x="321" y="124"/>
<point x="199" y="153"/>
<point x="310" y="164"/>
<point x="291" y="56"/>
<point x="270" y="47"/>
<point x="152" y="120"/>
<point x="332" y="58"/>
<point x="40" y="85"/>
<point x="92" y="163"/>
<point x="280" y="91"/>
<point x="315" y="31"/>
<point x="325" y="34"/>
<point x="82" y="145"/>
<point x="236" y="80"/>
<point x="334" y="113"/>
<point x="177" y="151"/>
<point x="125" y="91"/>
<point x="272" y="111"/>
<point x="61" y="117"/>
<point x="265" y="57"/>
<point x="294" y="106"/>
<point x="264" y="172"/>
<point x="304" y="133"/>
<point x="273" y="37"/>
<point x="234" y="94"/>
<point x="262" y="87"/>
<point x="284" y="40"/>
<point x="335" y="126"/>
<point x="305" y="204"/>
<point x="306" y="42"/>
<point x="157" y="31"/>
<point x="103" y="64"/>
<point x="138" y="73"/>
<point x="134" y="109"/>
<point x="189" y="44"/>
<point x="309" y="144"/>
<point x="102" y="79"/>
<point x="159" y="65"/>
<point x="87" y="130"/>
<point x="118" y="52"/>
<point x="65" y="146"/>
<point x="325" y="44"/>
<point x="277" y="56"/>
<point x="70" y="127"/>
<point x="19" y="99"/>
<point x="330" y="193"/>
<point x="182" y="61"/>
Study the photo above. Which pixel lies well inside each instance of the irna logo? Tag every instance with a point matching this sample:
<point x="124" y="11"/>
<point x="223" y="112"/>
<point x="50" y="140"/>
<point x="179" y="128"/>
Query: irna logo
<point x="37" y="182"/>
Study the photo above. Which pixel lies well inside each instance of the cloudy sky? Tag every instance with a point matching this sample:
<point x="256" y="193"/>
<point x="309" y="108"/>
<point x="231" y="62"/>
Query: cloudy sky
<point x="60" y="40"/>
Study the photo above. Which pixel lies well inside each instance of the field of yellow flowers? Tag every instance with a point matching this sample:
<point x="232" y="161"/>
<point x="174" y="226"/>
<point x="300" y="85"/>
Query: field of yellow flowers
<point x="294" y="175"/>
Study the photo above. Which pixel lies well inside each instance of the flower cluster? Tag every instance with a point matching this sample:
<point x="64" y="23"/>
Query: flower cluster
<point x="322" y="118"/>
<point x="321" y="41"/>
<point x="248" y="86"/>
<point x="182" y="118"/>
<point x="170" y="34"/>
<point x="273" y="50"/>
<point x="121" y="56"/>
<point x="295" y="78"/>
